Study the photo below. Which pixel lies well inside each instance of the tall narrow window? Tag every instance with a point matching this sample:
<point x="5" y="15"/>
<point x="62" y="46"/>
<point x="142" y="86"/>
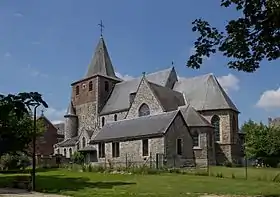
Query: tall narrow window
<point x="90" y="86"/>
<point x="144" y="110"/>
<point x="57" y="151"/>
<point x="101" y="149"/>
<point x="145" y="147"/>
<point x="103" y="121"/>
<point x="106" y="86"/>
<point x="115" y="149"/>
<point x="179" y="147"/>
<point x="64" y="152"/>
<point x="77" y="90"/>
<point x="84" y="142"/>
<point x="115" y="117"/>
<point x="195" y="139"/>
<point x="215" y="121"/>
<point x="70" y="152"/>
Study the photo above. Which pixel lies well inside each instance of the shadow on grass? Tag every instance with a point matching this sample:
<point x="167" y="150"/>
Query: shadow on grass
<point x="57" y="184"/>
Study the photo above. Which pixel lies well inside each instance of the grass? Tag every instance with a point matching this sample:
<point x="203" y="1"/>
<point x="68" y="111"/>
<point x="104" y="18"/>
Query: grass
<point x="84" y="184"/>
<point x="264" y="174"/>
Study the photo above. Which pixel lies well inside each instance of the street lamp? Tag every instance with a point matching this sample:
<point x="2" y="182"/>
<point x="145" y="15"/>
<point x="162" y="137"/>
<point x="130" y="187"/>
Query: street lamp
<point x="34" y="147"/>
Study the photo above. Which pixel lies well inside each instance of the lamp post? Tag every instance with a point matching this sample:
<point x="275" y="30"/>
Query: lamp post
<point x="34" y="147"/>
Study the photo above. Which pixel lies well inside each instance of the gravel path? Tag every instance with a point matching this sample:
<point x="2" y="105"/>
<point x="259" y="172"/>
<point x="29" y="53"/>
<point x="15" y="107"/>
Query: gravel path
<point x="7" y="192"/>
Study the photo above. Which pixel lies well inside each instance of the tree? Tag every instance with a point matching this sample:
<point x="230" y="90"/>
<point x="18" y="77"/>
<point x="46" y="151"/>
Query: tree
<point x="16" y="125"/>
<point x="253" y="37"/>
<point x="262" y="142"/>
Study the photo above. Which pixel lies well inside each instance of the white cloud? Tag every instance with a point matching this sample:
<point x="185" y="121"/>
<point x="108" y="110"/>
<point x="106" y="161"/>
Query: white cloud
<point x="54" y="115"/>
<point x="18" y="14"/>
<point x="36" y="73"/>
<point x="7" y="54"/>
<point x="269" y="99"/>
<point x="124" y="77"/>
<point x="57" y="121"/>
<point x="192" y="52"/>
<point x="229" y="82"/>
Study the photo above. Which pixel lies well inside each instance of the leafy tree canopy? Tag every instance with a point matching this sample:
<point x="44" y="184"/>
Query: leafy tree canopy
<point x="246" y="41"/>
<point x="16" y="125"/>
<point x="262" y="142"/>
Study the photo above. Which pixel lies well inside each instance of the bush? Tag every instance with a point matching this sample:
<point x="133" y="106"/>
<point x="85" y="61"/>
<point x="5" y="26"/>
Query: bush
<point x="78" y="158"/>
<point x="14" y="161"/>
<point x="228" y="164"/>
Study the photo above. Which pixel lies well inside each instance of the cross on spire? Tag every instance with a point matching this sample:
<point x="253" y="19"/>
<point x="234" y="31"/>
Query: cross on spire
<point x="101" y="28"/>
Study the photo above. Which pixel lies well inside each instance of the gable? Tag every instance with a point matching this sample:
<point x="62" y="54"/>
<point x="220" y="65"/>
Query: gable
<point x="119" y="99"/>
<point x="204" y="93"/>
<point x="145" y="95"/>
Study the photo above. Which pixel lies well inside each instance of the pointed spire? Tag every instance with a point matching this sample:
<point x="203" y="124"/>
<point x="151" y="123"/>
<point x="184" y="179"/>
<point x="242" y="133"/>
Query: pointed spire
<point x="101" y="63"/>
<point x="70" y="110"/>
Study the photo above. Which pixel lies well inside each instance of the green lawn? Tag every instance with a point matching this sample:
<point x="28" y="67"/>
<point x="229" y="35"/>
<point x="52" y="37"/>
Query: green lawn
<point x="88" y="184"/>
<point x="252" y="173"/>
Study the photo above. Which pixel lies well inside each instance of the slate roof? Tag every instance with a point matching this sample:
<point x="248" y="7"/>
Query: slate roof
<point x="193" y="118"/>
<point x="60" y="128"/>
<point x="153" y="125"/>
<point x="101" y="63"/>
<point x="69" y="142"/>
<point x="204" y="93"/>
<point x="119" y="99"/>
<point x="168" y="98"/>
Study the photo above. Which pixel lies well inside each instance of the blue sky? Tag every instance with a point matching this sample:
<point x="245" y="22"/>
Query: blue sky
<point x="46" y="45"/>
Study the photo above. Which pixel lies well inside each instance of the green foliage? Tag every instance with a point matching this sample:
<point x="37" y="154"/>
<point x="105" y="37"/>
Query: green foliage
<point x="78" y="158"/>
<point x="16" y="125"/>
<point x="262" y="142"/>
<point x="251" y="38"/>
<point x="14" y="161"/>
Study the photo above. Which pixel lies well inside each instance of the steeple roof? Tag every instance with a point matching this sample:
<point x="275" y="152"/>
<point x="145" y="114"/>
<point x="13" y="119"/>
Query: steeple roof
<point x="101" y="63"/>
<point x="70" y="110"/>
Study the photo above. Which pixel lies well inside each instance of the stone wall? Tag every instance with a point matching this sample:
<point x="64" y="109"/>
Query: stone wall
<point x="110" y="117"/>
<point x="87" y="118"/>
<point x="60" y="150"/>
<point x="144" y="95"/>
<point x="70" y="127"/>
<point x="205" y="152"/>
<point x="179" y="130"/>
<point x="228" y="134"/>
<point x="131" y="152"/>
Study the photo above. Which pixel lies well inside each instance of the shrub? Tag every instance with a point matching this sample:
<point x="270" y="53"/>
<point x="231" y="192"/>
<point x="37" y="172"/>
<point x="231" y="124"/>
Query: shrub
<point x="232" y="176"/>
<point x="219" y="175"/>
<point x="14" y="161"/>
<point x="78" y="158"/>
<point x="228" y="164"/>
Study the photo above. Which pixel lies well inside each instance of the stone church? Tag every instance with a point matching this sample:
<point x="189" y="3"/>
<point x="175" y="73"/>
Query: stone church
<point x="185" y="121"/>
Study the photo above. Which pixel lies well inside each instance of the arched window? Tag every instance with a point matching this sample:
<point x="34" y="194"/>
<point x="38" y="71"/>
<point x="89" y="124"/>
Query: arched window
<point x="84" y="142"/>
<point x="90" y="86"/>
<point x="215" y="121"/>
<point x="144" y="110"/>
<point x="106" y="86"/>
<point x="115" y="117"/>
<point x="70" y="152"/>
<point x="195" y="139"/>
<point x="64" y="152"/>
<point x="103" y="121"/>
<point x="77" y="90"/>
